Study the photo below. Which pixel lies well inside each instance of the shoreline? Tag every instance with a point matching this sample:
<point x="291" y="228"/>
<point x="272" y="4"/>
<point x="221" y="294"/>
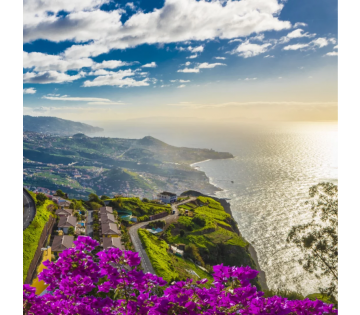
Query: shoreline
<point x="251" y="249"/>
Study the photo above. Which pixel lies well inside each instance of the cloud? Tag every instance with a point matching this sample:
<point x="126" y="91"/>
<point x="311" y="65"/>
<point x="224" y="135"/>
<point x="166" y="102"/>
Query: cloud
<point x="333" y="53"/>
<point x="181" y="86"/>
<point x="316" y="43"/>
<point x="181" y="81"/>
<point x="250" y="79"/>
<point x="29" y="91"/>
<point x="336" y="47"/>
<point x="44" y="62"/>
<point x="46" y="77"/>
<point x="119" y="78"/>
<point x="248" y="49"/>
<point x="112" y="64"/>
<point x="187" y="70"/>
<point x="192" y="56"/>
<point x="131" y="5"/>
<point x="204" y="65"/>
<point x="300" y="24"/>
<point x="269" y="56"/>
<point x="220" y="58"/>
<point x="259" y="37"/>
<point x="96" y="31"/>
<point x="187" y="63"/>
<point x="74" y="99"/>
<point x="150" y="65"/>
<point x="299" y="33"/>
<point x="197" y="49"/>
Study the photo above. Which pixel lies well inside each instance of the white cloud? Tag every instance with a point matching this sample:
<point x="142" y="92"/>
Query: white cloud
<point x="181" y="86"/>
<point x="320" y="42"/>
<point x="250" y="79"/>
<point x="176" y="21"/>
<point x="300" y="24"/>
<point x="269" y="56"/>
<point x="236" y="40"/>
<point x="248" y="49"/>
<point x="45" y="77"/>
<point x="192" y="56"/>
<point x="333" y="53"/>
<point x="296" y="46"/>
<point x="44" y="62"/>
<point x="119" y="78"/>
<point x="74" y="99"/>
<point x="187" y="63"/>
<point x="111" y="64"/>
<point x="150" y="65"/>
<point x="259" y="37"/>
<point x="220" y="58"/>
<point x="29" y="91"/>
<point x="298" y="33"/>
<point x="336" y="47"/>
<point x="196" y="49"/>
<point x="332" y="40"/>
<point x="131" y="5"/>
<point x="204" y="65"/>
<point x="187" y="70"/>
<point x="184" y="81"/>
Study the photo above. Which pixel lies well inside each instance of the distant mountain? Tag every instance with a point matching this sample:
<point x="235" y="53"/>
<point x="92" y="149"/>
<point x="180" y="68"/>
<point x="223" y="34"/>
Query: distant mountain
<point x="57" y="126"/>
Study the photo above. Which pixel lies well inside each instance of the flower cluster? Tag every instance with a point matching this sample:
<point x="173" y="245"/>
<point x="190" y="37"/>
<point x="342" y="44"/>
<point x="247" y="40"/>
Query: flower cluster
<point x="110" y="283"/>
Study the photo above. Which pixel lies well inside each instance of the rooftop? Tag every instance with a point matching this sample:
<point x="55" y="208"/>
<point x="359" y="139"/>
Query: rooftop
<point x="112" y="242"/>
<point x="67" y="221"/>
<point x="62" y="242"/>
<point x="109" y="228"/>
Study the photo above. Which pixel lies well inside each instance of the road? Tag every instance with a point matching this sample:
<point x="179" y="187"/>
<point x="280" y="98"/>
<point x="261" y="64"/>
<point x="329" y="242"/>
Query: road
<point x="133" y="231"/>
<point x="29" y="209"/>
<point x="89" y="224"/>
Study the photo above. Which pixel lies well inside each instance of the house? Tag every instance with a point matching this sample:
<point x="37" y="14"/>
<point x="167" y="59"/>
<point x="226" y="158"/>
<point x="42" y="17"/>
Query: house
<point x="114" y="242"/>
<point x="62" y="242"/>
<point x="63" y="212"/>
<point x="104" y="210"/>
<point x="107" y="218"/>
<point x="66" y="222"/>
<point x="167" y="197"/>
<point x="110" y="230"/>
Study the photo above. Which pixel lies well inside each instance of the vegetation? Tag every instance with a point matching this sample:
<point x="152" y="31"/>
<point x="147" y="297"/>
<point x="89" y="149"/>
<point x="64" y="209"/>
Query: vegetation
<point x="318" y="240"/>
<point x="31" y="235"/>
<point x="167" y="265"/>
<point x="208" y="233"/>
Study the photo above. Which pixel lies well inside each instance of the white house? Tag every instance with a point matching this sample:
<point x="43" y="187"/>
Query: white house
<point x="167" y="197"/>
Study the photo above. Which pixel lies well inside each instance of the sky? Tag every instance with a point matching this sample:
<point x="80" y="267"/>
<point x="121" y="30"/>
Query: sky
<point x="218" y="61"/>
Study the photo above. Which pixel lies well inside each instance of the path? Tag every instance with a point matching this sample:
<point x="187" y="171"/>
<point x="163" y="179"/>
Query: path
<point x="133" y="231"/>
<point x="29" y="209"/>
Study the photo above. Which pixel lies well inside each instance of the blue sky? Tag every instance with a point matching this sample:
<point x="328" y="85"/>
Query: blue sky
<point x="248" y="59"/>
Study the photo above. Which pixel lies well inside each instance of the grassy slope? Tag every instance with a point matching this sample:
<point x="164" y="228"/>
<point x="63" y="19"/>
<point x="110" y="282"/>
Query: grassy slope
<point x="168" y="266"/>
<point x="140" y="208"/>
<point x="31" y="235"/>
<point x="216" y="244"/>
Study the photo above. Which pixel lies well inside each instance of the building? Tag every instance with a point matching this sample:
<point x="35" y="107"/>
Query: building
<point x="167" y="197"/>
<point x="62" y="242"/>
<point x="63" y="212"/>
<point x="66" y="222"/>
<point x="104" y="210"/>
<point x="114" y="242"/>
<point x="110" y="230"/>
<point x="107" y="218"/>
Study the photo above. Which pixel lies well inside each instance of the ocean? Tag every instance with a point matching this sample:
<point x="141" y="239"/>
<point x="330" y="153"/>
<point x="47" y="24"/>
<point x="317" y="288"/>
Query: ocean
<point x="266" y="183"/>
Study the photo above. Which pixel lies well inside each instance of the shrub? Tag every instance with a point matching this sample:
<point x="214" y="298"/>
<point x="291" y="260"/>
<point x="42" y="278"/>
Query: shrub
<point x="113" y="286"/>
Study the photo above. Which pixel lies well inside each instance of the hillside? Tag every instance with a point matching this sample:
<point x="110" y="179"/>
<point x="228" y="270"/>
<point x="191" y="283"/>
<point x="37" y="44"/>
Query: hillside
<point x="81" y="164"/>
<point x="56" y="126"/>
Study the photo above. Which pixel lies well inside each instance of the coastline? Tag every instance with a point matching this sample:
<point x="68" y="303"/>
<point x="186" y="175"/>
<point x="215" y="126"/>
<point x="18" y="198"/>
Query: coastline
<point x="251" y="249"/>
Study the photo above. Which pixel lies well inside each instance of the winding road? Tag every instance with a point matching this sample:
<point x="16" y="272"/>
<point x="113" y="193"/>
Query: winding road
<point x="133" y="231"/>
<point x="29" y="209"/>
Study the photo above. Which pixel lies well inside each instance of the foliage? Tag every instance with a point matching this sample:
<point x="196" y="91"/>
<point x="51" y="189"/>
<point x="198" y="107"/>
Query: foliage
<point x="95" y="198"/>
<point x="40" y="199"/>
<point x="290" y="295"/>
<point x="60" y="193"/>
<point x="104" y="197"/>
<point x="31" y="235"/>
<point x="318" y="240"/>
<point x="71" y="230"/>
<point x="113" y="286"/>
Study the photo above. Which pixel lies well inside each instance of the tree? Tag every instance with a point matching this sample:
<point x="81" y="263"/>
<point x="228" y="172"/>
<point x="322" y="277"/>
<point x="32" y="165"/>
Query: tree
<point x="95" y="198"/>
<point x="318" y="240"/>
<point x="182" y="233"/>
<point x="71" y="231"/>
<point x="104" y="197"/>
<point x="60" y="193"/>
<point x="40" y="199"/>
